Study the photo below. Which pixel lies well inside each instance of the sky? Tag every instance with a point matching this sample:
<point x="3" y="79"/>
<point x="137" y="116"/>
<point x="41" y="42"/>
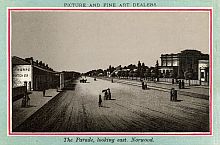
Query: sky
<point x="83" y="41"/>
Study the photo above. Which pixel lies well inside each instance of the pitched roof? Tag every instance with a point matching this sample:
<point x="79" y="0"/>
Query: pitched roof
<point x="19" y="61"/>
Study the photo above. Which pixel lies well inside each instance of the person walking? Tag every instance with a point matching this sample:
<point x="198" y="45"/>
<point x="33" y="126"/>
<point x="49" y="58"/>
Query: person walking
<point x="109" y="94"/>
<point x="143" y="85"/>
<point x="172" y="93"/>
<point x="106" y="95"/>
<point x="180" y="84"/>
<point x="100" y="100"/>
<point x="44" y="91"/>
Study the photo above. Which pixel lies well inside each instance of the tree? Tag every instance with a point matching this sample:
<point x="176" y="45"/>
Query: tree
<point x="167" y="74"/>
<point x="149" y="72"/>
<point x="105" y="72"/>
<point x="156" y="70"/>
<point x="142" y="65"/>
<point x="110" y="68"/>
<point x="143" y="70"/>
<point x="119" y="74"/>
<point x="139" y="68"/>
<point x="126" y="74"/>
<point x="99" y="72"/>
<point x="173" y="74"/>
<point x="188" y="75"/>
<point x="131" y="74"/>
<point x="180" y="74"/>
<point x="132" y="67"/>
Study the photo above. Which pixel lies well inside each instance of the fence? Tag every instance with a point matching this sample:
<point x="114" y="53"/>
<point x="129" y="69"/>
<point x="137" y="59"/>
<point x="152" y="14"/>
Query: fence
<point x="188" y="82"/>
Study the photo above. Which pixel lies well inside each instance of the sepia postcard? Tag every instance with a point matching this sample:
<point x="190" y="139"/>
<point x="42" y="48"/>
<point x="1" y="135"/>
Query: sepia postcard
<point x="109" y="72"/>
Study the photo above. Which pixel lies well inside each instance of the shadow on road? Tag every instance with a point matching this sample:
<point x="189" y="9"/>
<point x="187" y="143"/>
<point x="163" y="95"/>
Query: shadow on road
<point x="29" y="106"/>
<point x="178" y="101"/>
<point x="105" y="107"/>
<point x="47" y="96"/>
<point x="112" y="99"/>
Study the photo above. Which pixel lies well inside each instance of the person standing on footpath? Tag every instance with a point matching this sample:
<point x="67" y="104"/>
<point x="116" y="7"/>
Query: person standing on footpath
<point x="106" y="95"/>
<point x="44" y="91"/>
<point x="142" y="85"/>
<point x="109" y="94"/>
<point x="100" y="100"/>
<point x="172" y="94"/>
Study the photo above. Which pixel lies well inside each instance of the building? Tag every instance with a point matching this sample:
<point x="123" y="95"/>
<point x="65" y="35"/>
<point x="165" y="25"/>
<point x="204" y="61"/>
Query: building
<point x="169" y="65"/>
<point x="66" y="78"/>
<point x="33" y="74"/>
<point x="203" y="73"/>
<point x="185" y="63"/>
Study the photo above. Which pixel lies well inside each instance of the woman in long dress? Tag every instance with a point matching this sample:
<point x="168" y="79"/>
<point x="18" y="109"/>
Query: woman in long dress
<point x="100" y="101"/>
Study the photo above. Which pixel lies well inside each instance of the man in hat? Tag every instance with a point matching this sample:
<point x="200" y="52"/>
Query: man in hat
<point x="100" y="100"/>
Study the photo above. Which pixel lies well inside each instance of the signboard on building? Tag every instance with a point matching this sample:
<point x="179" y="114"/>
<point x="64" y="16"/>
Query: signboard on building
<point x="203" y="67"/>
<point x="22" y="74"/>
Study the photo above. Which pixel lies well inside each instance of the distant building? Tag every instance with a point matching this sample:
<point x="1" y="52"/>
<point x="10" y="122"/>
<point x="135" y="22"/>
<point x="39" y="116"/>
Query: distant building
<point x="33" y="74"/>
<point x="203" y="73"/>
<point x="169" y="64"/>
<point x="66" y="77"/>
<point x="178" y="65"/>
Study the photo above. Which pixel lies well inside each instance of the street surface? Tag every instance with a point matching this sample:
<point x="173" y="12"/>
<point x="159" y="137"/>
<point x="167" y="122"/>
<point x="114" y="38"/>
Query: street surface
<point x="20" y="114"/>
<point x="130" y="110"/>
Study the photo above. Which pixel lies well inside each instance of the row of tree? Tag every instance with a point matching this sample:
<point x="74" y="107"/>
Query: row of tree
<point x="140" y="70"/>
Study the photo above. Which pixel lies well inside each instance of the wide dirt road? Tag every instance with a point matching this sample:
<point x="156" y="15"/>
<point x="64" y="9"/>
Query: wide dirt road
<point x="130" y="110"/>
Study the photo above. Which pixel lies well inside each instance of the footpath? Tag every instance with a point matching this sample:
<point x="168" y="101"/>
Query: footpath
<point x="192" y="91"/>
<point x="37" y="100"/>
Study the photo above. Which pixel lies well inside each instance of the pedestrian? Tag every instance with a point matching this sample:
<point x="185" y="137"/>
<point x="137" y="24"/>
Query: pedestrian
<point x="183" y="84"/>
<point x="28" y="100"/>
<point x="180" y="84"/>
<point x="172" y="91"/>
<point x="172" y="80"/>
<point x="143" y="85"/>
<point x="44" y="91"/>
<point x="23" y="103"/>
<point x="100" y="100"/>
<point x="175" y="95"/>
<point x="106" y="95"/>
<point x="109" y="94"/>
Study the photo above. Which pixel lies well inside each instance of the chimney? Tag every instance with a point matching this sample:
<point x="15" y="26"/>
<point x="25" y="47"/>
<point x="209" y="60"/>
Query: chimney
<point x="40" y="63"/>
<point x="30" y="60"/>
